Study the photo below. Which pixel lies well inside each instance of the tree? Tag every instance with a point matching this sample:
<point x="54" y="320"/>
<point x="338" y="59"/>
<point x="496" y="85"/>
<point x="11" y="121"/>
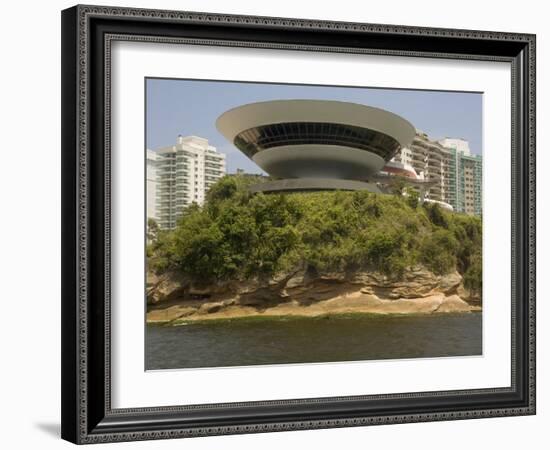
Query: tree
<point x="412" y="198"/>
<point x="152" y="230"/>
<point x="436" y="215"/>
<point x="438" y="251"/>
<point x="236" y="235"/>
<point x="398" y="187"/>
<point x="473" y="279"/>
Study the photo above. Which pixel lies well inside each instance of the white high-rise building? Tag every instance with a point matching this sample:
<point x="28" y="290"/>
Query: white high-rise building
<point x="460" y="145"/>
<point x="426" y="157"/>
<point x="465" y="176"/>
<point x="152" y="158"/>
<point x="184" y="173"/>
<point x="449" y="163"/>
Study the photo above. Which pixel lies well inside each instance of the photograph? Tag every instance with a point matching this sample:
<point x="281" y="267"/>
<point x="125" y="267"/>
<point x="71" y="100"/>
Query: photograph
<point x="294" y="224"/>
<point x="283" y="222"/>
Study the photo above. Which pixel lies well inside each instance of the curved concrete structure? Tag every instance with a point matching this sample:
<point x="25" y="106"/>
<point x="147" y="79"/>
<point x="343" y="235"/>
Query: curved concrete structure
<point x="314" y="184"/>
<point x="320" y="139"/>
<point x="398" y="168"/>
<point x="444" y="205"/>
<point x="318" y="161"/>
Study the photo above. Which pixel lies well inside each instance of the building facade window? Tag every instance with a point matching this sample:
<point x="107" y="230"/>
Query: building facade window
<point x="264" y="137"/>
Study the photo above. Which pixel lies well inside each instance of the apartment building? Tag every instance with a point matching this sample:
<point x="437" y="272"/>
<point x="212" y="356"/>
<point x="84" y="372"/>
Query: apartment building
<point x="455" y="171"/>
<point x="184" y="173"/>
<point x="428" y="158"/>
<point x="151" y="174"/>
<point x="466" y="176"/>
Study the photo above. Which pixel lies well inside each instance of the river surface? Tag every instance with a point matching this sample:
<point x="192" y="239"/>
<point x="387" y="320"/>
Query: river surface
<point x="245" y="342"/>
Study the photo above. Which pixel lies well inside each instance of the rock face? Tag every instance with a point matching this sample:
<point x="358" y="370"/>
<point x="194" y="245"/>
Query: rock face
<point x="415" y="283"/>
<point x="170" y="285"/>
<point x="453" y="304"/>
<point x="304" y="292"/>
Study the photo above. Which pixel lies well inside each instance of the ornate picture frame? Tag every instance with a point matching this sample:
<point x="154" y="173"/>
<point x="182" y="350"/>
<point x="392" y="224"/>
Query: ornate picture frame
<point x="88" y="33"/>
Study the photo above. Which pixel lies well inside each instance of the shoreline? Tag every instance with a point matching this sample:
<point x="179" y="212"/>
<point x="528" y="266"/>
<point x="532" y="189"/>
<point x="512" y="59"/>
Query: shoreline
<point x="290" y="317"/>
<point x="183" y="313"/>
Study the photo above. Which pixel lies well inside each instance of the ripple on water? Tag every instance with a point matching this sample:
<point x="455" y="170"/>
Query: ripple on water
<point x="303" y="340"/>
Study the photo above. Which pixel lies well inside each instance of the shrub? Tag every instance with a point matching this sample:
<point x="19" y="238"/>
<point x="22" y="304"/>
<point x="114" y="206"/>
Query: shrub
<point x="436" y="215"/>
<point x="412" y="198"/>
<point x="438" y="251"/>
<point x="473" y="279"/>
<point x="236" y="235"/>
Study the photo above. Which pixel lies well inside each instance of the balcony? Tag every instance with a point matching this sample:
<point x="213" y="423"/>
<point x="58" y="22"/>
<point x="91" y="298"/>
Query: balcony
<point x="418" y="157"/>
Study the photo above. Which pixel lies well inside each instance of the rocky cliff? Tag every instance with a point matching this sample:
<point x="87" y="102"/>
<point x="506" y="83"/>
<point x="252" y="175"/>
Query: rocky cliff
<point x="305" y="292"/>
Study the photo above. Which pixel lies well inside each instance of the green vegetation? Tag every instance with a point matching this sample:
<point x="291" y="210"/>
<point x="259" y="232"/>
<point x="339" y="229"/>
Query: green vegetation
<point x="237" y="235"/>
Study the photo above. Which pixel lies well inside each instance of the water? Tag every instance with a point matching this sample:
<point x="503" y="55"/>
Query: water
<point x="302" y="340"/>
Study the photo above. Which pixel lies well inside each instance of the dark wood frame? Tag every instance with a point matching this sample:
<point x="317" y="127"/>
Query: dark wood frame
<point x="87" y="32"/>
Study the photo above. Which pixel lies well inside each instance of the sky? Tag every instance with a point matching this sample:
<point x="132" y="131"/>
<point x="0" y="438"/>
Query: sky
<point x="191" y="107"/>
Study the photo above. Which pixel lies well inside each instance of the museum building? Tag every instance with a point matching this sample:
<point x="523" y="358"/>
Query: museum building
<point x="316" y="144"/>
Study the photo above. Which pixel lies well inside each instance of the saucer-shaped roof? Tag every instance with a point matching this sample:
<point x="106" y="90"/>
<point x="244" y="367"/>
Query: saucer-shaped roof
<point x="316" y="138"/>
<point x="252" y="115"/>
